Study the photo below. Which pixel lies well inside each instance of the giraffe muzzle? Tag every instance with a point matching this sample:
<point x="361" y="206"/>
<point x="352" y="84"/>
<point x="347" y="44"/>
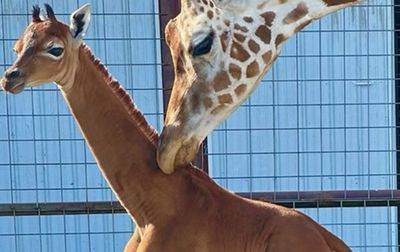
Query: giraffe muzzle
<point x="175" y="151"/>
<point x="12" y="81"/>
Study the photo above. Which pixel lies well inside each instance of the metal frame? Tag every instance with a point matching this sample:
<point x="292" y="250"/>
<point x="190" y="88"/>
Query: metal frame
<point x="325" y="199"/>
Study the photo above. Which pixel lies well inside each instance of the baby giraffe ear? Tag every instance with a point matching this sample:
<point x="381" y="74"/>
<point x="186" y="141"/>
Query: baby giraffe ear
<point x="79" y="22"/>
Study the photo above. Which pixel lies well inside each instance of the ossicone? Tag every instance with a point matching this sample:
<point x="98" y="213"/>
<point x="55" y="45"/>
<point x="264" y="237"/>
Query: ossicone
<point x="36" y="14"/>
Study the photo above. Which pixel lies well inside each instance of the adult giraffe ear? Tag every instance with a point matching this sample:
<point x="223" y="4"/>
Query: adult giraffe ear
<point x="79" y="22"/>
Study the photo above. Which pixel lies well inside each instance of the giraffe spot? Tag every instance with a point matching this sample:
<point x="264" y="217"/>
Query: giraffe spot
<point x="207" y="101"/>
<point x="248" y="19"/>
<point x="282" y="1"/>
<point x="205" y="2"/>
<point x="300" y="27"/>
<point x="261" y="5"/>
<point x="221" y="81"/>
<point x="224" y="40"/>
<point x="238" y="52"/>
<point x="201" y="9"/>
<point x="225" y="99"/>
<point x="279" y="39"/>
<point x="264" y="33"/>
<point x="338" y="2"/>
<point x="210" y="14"/>
<point x="254" y="47"/>
<point x="217" y="110"/>
<point x="227" y="22"/>
<point x="239" y="37"/>
<point x="296" y="14"/>
<point x="253" y="69"/>
<point x="239" y="90"/>
<point x="240" y="28"/>
<point x="235" y="71"/>
<point x="269" y="17"/>
<point x="211" y="4"/>
<point x="267" y="57"/>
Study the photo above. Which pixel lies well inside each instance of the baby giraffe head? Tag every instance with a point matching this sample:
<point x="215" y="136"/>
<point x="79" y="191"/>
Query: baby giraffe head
<point x="46" y="51"/>
<point x="220" y="50"/>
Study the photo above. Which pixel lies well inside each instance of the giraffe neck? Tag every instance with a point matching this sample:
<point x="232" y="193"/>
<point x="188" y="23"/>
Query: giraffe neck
<point x="117" y="134"/>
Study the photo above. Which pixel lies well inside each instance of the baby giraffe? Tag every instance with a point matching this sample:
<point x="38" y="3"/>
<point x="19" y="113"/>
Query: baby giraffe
<point x="221" y="49"/>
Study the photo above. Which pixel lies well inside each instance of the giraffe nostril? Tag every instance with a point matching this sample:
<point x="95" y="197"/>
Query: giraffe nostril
<point x="13" y="74"/>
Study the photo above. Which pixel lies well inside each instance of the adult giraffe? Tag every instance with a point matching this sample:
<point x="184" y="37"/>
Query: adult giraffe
<point x="221" y="49"/>
<point x="183" y="212"/>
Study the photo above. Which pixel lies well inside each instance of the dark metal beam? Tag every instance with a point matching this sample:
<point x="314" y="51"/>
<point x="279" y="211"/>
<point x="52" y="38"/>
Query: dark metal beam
<point x="397" y="97"/>
<point x="331" y="199"/>
<point x="168" y="10"/>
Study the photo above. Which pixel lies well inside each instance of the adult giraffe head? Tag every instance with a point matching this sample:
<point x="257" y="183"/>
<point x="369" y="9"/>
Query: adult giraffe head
<point x="45" y="48"/>
<point x="221" y="49"/>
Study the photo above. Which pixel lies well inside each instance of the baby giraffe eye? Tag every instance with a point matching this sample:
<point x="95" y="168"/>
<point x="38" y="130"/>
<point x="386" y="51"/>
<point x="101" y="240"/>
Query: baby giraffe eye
<point x="56" y="51"/>
<point x="204" y="46"/>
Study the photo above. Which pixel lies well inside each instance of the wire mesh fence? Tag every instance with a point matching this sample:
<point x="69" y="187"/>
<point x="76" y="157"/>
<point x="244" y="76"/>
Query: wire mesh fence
<point x="318" y="134"/>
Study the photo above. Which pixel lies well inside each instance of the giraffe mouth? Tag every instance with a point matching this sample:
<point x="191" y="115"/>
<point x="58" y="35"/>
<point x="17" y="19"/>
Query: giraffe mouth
<point x="175" y="151"/>
<point x="13" y="86"/>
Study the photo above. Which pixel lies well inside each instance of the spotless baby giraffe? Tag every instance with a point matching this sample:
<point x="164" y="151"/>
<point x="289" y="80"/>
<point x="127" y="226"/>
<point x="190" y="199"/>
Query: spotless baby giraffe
<point x="221" y="49"/>
<point x="182" y="212"/>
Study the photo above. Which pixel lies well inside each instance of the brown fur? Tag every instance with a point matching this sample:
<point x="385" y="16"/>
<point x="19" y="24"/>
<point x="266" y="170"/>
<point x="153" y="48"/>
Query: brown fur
<point x="298" y="13"/>
<point x="124" y="97"/>
<point x="239" y="52"/>
<point x="338" y="2"/>
<point x="264" y="33"/>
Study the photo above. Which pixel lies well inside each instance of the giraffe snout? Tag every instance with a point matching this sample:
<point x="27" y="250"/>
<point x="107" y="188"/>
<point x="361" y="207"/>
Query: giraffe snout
<point x="174" y="150"/>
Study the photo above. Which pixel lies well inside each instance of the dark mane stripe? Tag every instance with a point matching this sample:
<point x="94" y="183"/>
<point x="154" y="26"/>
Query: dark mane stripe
<point x="124" y="97"/>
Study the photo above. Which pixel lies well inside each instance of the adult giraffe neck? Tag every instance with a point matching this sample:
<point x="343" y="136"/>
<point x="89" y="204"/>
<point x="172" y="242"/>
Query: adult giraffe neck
<point x="121" y="141"/>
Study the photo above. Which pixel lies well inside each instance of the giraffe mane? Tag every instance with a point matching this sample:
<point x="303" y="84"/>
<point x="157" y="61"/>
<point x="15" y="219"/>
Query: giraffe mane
<point x="123" y="97"/>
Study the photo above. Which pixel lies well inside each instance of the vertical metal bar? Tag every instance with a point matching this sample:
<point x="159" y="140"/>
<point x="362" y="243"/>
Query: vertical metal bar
<point x="397" y="98"/>
<point x="168" y="10"/>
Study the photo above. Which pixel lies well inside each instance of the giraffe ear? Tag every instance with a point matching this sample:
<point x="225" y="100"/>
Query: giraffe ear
<point x="79" y="22"/>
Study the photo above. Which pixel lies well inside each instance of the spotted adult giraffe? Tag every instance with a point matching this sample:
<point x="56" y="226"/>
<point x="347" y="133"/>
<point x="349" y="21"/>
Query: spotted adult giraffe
<point x="221" y="49"/>
<point x="185" y="211"/>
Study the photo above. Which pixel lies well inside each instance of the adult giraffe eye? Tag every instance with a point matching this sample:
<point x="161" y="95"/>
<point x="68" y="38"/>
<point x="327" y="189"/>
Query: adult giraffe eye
<point x="56" y="51"/>
<point x="204" y="46"/>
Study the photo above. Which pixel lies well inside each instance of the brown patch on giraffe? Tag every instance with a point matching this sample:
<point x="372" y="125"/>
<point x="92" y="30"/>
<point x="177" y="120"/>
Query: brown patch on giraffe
<point x="201" y="9"/>
<point x="283" y="1"/>
<point x="217" y="109"/>
<point x="235" y="71"/>
<point x="300" y="27"/>
<point x="224" y="41"/>
<point x="253" y="69"/>
<point x="225" y="99"/>
<point x="221" y="81"/>
<point x="227" y="22"/>
<point x="240" y="28"/>
<point x="296" y="14"/>
<point x="211" y="4"/>
<point x="338" y="2"/>
<point x="248" y="19"/>
<point x="239" y="37"/>
<point x="267" y="57"/>
<point x="269" y="17"/>
<point x="210" y="14"/>
<point x="254" y="47"/>
<point x="207" y="101"/>
<point x="279" y="39"/>
<point x="238" y="52"/>
<point x="205" y="2"/>
<point x="264" y="33"/>
<point x="239" y="90"/>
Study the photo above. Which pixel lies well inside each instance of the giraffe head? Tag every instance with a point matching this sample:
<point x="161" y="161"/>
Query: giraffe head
<point x="220" y="50"/>
<point x="45" y="50"/>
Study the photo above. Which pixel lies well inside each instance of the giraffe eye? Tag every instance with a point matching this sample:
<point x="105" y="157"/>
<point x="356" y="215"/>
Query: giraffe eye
<point x="204" y="46"/>
<point x="56" y="51"/>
